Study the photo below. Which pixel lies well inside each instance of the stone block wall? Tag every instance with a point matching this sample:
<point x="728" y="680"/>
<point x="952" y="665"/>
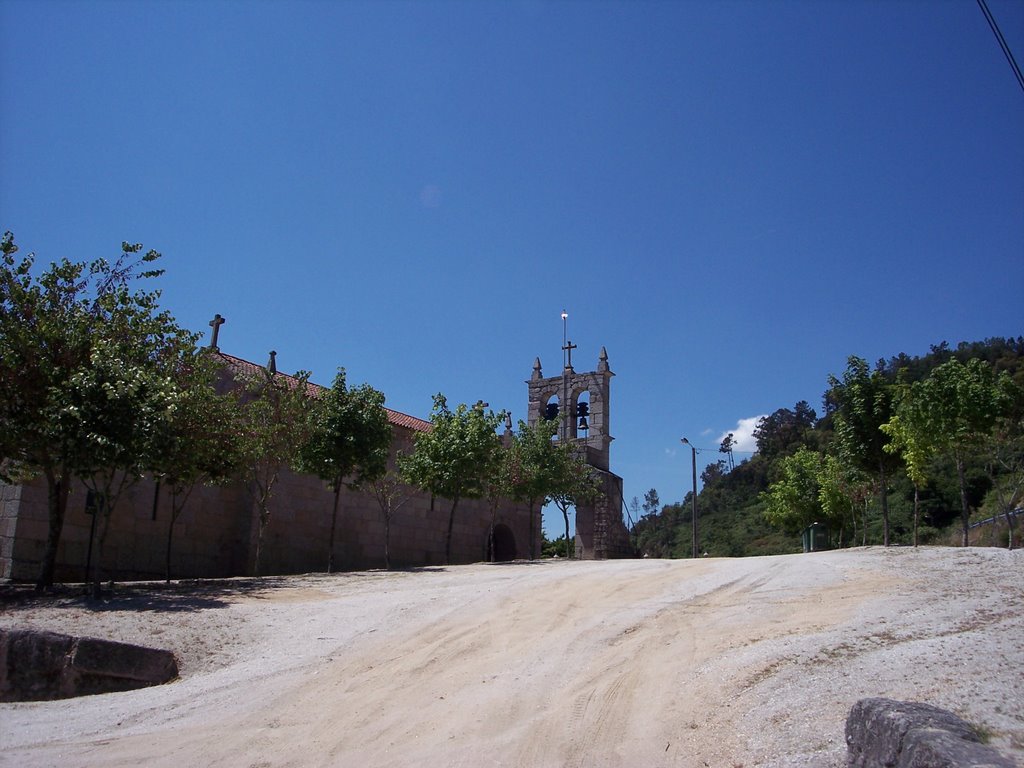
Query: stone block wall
<point x="215" y="534"/>
<point x="23" y="529"/>
<point x="600" y="532"/>
<point x="217" y="531"/>
<point x="206" y="538"/>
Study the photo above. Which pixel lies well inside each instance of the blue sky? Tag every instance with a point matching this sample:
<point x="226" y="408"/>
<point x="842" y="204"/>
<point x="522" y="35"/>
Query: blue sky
<point x="731" y="197"/>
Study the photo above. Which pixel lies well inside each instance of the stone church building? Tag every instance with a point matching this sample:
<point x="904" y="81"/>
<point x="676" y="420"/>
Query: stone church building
<point x="215" y="534"/>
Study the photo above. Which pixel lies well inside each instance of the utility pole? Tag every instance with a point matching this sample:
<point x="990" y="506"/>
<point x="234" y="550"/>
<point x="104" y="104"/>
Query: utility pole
<point x="693" y="454"/>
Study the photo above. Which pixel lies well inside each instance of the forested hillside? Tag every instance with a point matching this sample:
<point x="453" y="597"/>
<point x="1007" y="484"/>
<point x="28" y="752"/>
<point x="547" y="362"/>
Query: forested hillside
<point x="945" y="428"/>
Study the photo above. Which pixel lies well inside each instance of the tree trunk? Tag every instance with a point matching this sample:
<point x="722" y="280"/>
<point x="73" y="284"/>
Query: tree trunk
<point x="917" y="507"/>
<point x="334" y="525"/>
<point x="170" y="535"/>
<point x="93" y="516"/>
<point x="532" y="530"/>
<point x="884" y="494"/>
<point x="97" y="562"/>
<point x="264" y="519"/>
<point x="113" y="486"/>
<point x="263" y="493"/>
<point x="1009" y="527"/>
<point x="178" y="502"/>
<point x="387" y="541"/>
<point x="448" y="539"/>
<point x="565" y="516"/>
<point x="57" y="504"/>
<point x="965" y="512"/>
<point x="490" y="532"/>
<point x="864" y="526"/>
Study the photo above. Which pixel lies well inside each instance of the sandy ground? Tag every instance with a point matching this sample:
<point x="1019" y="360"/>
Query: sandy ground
<point x="717" y="662"/>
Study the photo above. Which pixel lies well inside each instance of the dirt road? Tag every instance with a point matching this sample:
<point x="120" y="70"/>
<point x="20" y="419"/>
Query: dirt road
<point x="718" y="662"/>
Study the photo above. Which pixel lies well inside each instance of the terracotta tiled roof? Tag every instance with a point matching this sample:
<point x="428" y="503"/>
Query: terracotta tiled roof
<point x="409" y="422"/>
<point x="238" y="366"/>
<point x="243" y="367"/>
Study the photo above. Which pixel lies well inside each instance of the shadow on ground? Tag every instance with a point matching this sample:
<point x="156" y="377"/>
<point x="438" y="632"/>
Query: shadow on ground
<point x="186" y="595"/>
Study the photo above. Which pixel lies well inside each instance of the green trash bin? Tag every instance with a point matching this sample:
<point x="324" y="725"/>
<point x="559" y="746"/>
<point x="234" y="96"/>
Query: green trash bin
<point x="816" y="537"/>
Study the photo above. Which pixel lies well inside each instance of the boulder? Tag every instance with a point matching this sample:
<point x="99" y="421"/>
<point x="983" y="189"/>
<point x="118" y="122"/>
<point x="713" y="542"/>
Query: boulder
<point x="39" y="666"/>
<point x="882" y="733"/>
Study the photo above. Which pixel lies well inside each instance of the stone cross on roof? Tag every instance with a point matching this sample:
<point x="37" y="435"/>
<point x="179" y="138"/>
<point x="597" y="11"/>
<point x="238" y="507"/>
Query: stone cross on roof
<point x="568" y="348"/>
<point x="216" y="323"/>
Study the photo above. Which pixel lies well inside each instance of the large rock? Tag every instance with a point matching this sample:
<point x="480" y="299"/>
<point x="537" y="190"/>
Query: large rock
<point x="882" y="733"/>
<point x="39" y="666"/>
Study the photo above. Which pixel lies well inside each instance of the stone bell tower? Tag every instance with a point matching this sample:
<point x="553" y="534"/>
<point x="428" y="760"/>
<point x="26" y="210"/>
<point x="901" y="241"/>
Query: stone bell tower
<point x="580" y="401"/>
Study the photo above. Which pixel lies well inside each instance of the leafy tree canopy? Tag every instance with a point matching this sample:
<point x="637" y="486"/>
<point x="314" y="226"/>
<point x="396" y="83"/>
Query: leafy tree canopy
<point x="275" y="426"/>
<point x="456" y="457"/>
<point x="350" y="435"/>
<point x="792" y="502"/>
<point x="785" y="430"/>
<point x="348" y="443"/>
<point x="87" y="375"/>
<point x="732" y="502"/>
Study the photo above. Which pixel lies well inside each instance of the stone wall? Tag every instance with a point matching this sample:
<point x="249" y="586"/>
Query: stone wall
<point x="206" y="539"/>
<point x="23" y="529"/>
<point x="601" y="533"/>
<point x="215" y="535"/>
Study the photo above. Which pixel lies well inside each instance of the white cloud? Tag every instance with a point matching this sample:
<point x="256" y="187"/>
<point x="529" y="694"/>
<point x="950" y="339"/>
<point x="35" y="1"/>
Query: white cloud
<point x="743" y="434"/>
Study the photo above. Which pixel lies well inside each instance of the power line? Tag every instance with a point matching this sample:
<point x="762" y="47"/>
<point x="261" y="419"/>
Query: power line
<point x="1002" y="42"/>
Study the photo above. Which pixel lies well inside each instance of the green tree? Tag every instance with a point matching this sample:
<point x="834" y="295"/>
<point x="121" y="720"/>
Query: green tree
<point x="713" y="473"/>
<point x="1006" y="469"/>
<point x="391" y="493"/>
<point x="529" y="466"/>
<point x="115" y="412"/>
<point x="573" y="482"/>
<point x="864" y="402"/>
<point x="558" y="547"/>
<point x="785" y="430"/>
<point x="842" y="490"/>
<point x="916" y="453"/>
<point x="497" y="486"/>
<point x="456" y="457"/>
<point x="727" y="447"/>
<point x="275" y="425"/>
<point x="348" y="442"/>
<point x="85" y="376"/>
<point x="44" y="339"/>
<point x="793" y="501"/>
<point x="652" y="504"/>
<point x="199" y="441"/>
<point x="953" y="411"/>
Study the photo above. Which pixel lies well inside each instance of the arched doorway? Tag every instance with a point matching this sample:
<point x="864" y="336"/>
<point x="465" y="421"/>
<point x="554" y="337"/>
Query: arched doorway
<point x="504" y="544"/>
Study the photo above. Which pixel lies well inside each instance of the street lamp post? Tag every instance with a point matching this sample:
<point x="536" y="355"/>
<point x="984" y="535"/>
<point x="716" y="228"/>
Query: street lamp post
<point x="693" y="454"/>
